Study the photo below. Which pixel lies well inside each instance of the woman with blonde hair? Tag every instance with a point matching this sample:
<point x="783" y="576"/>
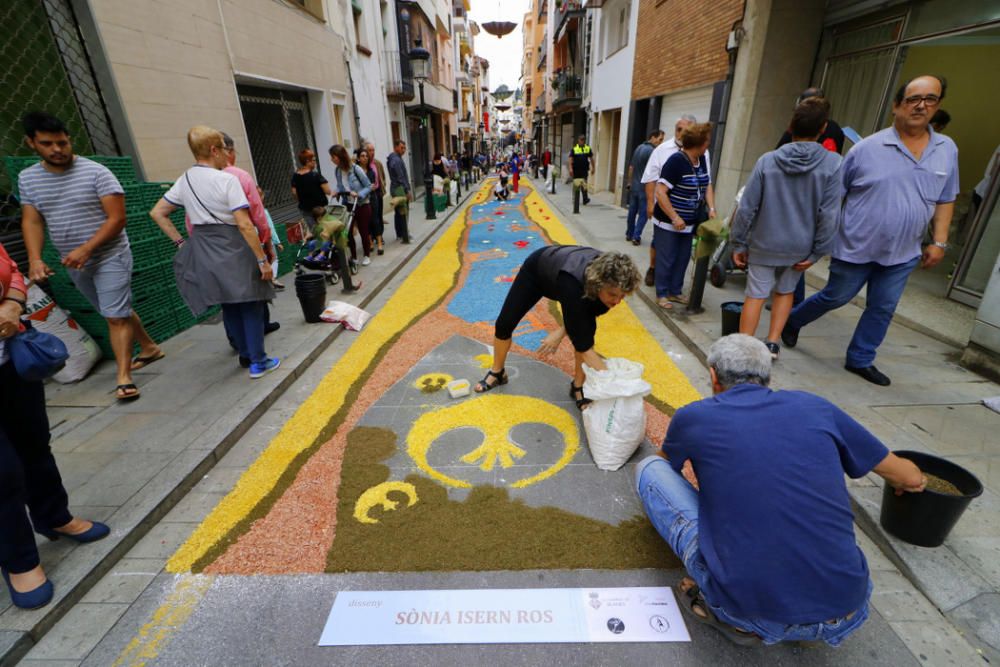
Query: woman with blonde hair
<point x="586" y="282"/>
<point x="223" y="261"/>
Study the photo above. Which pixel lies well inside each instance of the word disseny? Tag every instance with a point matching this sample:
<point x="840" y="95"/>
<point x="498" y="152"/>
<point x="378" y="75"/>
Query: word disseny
<point x="476" y="617"/>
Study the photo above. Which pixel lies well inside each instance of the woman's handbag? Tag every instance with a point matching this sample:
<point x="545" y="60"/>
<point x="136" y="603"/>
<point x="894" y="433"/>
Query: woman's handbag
<point x="36" y="355"/>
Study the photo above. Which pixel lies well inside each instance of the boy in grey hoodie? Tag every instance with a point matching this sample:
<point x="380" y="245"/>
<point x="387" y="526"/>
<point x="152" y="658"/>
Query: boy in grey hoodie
<point x="787" y="218"/>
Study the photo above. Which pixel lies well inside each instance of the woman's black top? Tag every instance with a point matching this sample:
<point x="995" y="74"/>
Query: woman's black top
<point x="309" y="189"/>
<point x="560" y="276"/>
<point x="438" y="170"/>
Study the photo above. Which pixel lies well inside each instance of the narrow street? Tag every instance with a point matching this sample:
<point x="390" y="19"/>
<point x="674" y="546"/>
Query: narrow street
<point x="244" y="569"/>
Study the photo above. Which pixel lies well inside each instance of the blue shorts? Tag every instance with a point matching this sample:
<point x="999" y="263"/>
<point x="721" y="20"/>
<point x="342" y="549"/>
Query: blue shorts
<point x="108" y="285"/>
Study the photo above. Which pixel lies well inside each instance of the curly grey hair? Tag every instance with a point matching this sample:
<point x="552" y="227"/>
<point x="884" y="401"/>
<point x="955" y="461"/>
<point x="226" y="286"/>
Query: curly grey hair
<point x="611" y="269"/>
<point x="740" y="359"/>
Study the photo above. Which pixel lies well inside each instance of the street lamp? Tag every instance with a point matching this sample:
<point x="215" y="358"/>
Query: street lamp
<point x="421" y="60"/>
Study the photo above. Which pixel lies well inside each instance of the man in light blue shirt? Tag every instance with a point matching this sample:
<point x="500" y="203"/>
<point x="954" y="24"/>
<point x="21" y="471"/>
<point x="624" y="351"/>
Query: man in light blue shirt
<point x="896" y="182"/>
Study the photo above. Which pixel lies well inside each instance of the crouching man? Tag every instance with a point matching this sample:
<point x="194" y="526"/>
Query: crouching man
<point x="764" y="526"/>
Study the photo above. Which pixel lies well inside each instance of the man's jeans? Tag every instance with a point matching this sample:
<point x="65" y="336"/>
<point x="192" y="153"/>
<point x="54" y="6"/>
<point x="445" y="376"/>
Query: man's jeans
<point x="636" y="220"/>
<point x="885" y="287"/>
<point x="672" y="506"/>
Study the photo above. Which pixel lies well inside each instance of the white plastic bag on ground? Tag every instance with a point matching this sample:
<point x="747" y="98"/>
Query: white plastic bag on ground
<point x="352" y="317"/>
<point x="616" y="420"/>
<point x="453" y="186"/>
<point x="49" y="318"/>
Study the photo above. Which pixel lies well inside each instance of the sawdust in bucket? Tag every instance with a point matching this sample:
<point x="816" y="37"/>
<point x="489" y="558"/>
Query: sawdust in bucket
<point x="942" y="486"/>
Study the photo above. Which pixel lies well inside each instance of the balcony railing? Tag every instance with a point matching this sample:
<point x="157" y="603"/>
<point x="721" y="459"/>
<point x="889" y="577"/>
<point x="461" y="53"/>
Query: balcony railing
<point x="398" y="77"/>
<point x="566" y="89"/>
<point x="567" y="14"/>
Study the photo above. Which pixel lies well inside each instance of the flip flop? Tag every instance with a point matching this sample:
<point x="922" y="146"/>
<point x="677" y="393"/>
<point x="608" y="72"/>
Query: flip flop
<point x="121" y="392"/>
<point x="688" y="599"/>
<point x="664" y="303"/>
<point x="141" y="362"/>
<point x="677" y="298"/>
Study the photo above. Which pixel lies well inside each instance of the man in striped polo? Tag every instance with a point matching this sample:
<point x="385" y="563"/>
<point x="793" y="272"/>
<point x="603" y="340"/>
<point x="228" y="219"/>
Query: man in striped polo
<point x="82" y="205"/>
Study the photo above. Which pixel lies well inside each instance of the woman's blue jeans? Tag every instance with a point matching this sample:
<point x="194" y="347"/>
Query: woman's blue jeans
<point x="244" y="324"/>
<point x="671" y="504"/>
<point x="673" y="252"/>
<point x="885" y="288"/>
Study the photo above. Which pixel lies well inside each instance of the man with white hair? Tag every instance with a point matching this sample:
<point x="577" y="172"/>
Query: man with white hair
<point x="651" y="175"/>
<point x="748" y="490"/>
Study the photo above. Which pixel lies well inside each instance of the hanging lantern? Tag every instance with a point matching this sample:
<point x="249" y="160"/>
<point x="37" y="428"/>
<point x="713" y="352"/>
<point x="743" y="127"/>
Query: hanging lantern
<point x="499" y="28"/>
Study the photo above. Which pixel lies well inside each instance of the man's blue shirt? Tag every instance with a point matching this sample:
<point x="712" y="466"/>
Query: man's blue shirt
<point x="774" y="521"/>
<point x="890" y="197"/>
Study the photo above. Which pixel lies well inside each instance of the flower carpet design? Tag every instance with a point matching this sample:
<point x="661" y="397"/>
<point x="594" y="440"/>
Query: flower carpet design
<point x="381" y="470"/>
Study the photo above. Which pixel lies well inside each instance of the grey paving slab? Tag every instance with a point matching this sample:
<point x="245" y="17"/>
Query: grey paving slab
<point x="278" y="620"/>
<point x="83" y="628"/>
<point x="125" y="582"/>
<point x="982" y="616"/>
<point x="12" y="643"/>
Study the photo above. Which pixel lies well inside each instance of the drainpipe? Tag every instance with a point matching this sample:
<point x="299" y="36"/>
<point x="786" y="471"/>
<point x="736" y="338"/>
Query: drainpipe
<point x="354" y="102"/>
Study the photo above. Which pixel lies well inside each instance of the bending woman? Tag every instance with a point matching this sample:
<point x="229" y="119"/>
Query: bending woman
<point x="586" y="282"/>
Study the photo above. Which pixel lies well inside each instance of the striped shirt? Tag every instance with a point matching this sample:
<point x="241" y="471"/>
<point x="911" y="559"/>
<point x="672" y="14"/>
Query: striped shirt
<point x="70" y="204"/>
<point x="687" y="185"/>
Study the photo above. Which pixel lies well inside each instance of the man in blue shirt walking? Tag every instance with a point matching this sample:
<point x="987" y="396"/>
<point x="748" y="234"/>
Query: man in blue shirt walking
<point x="896" y="182"/>
<point x="636" y="220"/>
<point x="749" y="492"/>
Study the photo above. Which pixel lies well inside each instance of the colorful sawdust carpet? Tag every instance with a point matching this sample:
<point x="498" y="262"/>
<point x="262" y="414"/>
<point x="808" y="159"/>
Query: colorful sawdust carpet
<point x="380" y="470"/>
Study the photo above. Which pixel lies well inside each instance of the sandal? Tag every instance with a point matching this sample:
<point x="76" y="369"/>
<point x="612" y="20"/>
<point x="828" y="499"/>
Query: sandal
<point x="126" y="392"/>
<point x="141" y="362"/>
<point x="692" y="597"/>
<point x="484" y="385"/>
<point x="679" y="298"/>
<point x="581" y="402"/>
<point x="664" y="303"/>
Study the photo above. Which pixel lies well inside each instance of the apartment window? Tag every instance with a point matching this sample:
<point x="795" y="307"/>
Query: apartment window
<point x="616" y="36"/>
<point x="338" y="122"/>
<point x="314" y="7"/>
<point x="359" y="32"/>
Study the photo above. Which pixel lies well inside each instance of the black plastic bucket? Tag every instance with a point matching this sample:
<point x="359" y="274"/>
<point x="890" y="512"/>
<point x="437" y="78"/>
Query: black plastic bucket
<point x="311" y="290"/>
<point x="926" y="518"/>
<point x="731" y="311"/>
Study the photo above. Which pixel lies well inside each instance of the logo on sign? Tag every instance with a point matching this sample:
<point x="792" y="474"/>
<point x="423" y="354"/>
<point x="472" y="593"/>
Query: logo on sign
<point x="595" y="601"/>
<point x="616" y="626"/>
<point x="658" y="623"/>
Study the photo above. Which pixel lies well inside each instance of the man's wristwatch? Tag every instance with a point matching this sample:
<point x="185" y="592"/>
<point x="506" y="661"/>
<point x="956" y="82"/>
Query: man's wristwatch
<point x="940" y="244"/>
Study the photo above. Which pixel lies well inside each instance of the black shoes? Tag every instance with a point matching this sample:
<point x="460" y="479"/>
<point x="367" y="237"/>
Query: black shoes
<point x="650" y="277"/>
<point x="774" y="349"/>
<point x="870" y="373"/>
<point x="271" y="327"/>
<point x="790" y="336"/>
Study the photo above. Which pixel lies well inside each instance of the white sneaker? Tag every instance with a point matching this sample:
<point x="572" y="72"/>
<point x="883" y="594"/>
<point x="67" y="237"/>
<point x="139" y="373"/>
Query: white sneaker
<point x="366" y="261"/>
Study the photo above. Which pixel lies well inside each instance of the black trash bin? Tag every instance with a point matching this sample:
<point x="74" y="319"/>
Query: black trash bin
<point x="731" y="311"/>
<point x="311" y="290"/>
<point x="926" y="518"/>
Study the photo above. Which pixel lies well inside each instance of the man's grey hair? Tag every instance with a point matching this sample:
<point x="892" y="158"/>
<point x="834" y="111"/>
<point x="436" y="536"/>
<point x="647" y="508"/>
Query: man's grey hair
<point x="740" y="359"/>
<point x="687" y="118"/>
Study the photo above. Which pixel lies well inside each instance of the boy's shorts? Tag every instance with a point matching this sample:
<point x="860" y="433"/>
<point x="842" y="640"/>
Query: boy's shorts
<point x="762" y="280"/>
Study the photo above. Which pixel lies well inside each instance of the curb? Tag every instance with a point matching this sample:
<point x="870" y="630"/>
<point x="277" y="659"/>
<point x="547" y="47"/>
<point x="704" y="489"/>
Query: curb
<point x="11" y="652"/>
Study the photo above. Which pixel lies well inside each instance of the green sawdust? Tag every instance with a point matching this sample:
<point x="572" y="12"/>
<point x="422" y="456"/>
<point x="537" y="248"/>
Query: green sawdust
<point x="487" y="531"/>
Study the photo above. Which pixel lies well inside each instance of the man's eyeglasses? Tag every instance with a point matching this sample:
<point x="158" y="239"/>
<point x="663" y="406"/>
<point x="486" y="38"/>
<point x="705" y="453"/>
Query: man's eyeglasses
<point x="929" y="100"/>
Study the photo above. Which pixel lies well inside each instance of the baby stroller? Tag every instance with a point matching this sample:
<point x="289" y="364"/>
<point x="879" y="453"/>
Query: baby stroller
<point x="721" y="263"/>
<point x="324" y="249"/>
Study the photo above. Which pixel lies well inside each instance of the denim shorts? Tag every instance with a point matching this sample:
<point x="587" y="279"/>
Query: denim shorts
<point x="672" y="506"/>
<point x="107" y="285"/>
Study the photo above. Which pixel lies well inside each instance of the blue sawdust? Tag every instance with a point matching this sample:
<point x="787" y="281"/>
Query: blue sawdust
<point x="487" y="283"/>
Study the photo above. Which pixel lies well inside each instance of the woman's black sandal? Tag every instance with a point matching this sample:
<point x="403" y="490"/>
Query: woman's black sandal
<point x="485" y="385"/>
<point x="581" y="402"/>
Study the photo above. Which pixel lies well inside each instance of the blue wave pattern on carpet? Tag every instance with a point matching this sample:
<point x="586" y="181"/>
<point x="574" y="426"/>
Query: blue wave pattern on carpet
<point x="497" y="246"/>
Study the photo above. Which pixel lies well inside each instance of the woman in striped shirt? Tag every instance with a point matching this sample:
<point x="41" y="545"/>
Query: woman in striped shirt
<point x="684" y="198"/>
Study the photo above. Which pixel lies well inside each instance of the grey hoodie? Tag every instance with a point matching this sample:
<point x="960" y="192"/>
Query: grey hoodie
<point x="790" y="206"/>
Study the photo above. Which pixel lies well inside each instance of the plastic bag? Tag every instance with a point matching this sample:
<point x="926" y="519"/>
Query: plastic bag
<point x="47" y="317"/>
<point x="352" y="317"/>
<point x="616" y="420"/>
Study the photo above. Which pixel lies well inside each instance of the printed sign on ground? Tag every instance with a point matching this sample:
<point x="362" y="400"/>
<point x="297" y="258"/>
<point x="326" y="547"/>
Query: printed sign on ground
<point x="506" y="616"/>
